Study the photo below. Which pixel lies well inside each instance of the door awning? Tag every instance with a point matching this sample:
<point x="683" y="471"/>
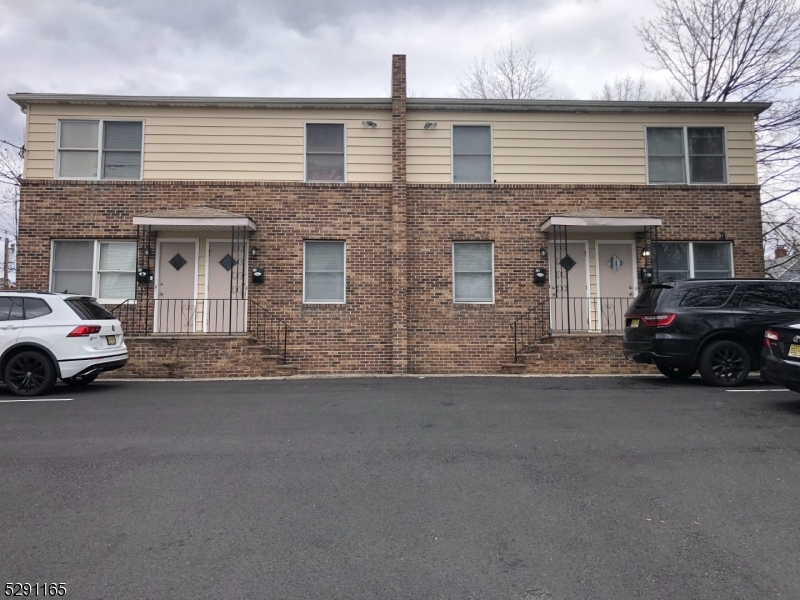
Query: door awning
<point x="601" y="222"/>
<point x="199" y="218"/>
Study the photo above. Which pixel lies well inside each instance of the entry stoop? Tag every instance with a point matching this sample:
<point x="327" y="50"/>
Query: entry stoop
<point x="200" y="356"/>
<point x="577" y="354"/>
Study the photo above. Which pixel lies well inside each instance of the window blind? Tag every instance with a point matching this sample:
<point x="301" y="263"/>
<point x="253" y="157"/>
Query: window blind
<point x="472" y="268"/>
<point x="324" y="152"/>
<point x="472" y="154"/>
<point x="324" y="272"/>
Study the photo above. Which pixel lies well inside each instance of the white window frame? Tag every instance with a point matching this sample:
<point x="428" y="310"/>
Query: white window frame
<point x="344" y="273"/>
<point x="691" y="252"/>
<point x="100" y="130"/>
<point x="453" y="255"/>
<point x="452" y="152"/>
<point x="95" y="266"/>
<point x="686" y="165"/>
<point x="305" y="150"/>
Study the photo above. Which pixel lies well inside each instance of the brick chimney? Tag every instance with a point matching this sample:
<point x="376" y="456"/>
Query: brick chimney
<point x="399" y="218"/>
<point x="781" y="252"/>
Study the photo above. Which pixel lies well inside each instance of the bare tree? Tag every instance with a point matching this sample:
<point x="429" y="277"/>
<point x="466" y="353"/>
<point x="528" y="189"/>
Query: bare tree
<point x="627" y="88"/>
<point x="743" y="50"/>
<point x="515" y="74"/>
<point x="10" y="178"/>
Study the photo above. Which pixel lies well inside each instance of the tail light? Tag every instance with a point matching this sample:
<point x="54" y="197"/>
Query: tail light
<point x="770" y="335"/>
<point x="84" y="331"/>
<point x="659" y="320"/>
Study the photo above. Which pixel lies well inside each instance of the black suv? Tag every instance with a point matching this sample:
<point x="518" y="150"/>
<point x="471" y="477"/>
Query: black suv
<point x="715" y="326"/>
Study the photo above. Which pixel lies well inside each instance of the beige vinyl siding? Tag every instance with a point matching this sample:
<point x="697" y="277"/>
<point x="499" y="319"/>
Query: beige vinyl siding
<point x="223" y="144"/>
<point x="567" y="147"/>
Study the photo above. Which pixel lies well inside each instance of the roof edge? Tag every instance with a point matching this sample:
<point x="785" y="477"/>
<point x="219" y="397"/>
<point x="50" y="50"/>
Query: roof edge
<point x="433" y="104"/>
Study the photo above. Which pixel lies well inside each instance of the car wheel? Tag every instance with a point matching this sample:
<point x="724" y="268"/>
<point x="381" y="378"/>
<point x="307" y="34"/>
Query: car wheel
<point x="80" y="380"/>
<point x="724" y="363"/>
<point x="30" y="373"/>
<point x="676" y="372"/>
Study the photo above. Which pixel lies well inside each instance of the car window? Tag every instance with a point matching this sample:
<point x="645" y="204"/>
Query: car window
<point x="11" y="309"/>
<point x="794" y="288"/>
<point x="707" y="296"/>
<point x="648" y="298"/>
<point x="35" y="307"/>
<point x="767" y="297"/>
<point x="88" y="309"/>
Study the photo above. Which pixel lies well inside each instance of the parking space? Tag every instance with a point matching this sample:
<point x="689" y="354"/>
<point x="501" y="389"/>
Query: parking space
<point x="434" y="487"/>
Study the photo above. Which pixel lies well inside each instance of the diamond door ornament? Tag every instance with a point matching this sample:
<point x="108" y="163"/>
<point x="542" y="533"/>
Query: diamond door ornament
<point x="614" y="263"/>
<point x="567" y="263"/>
<point x="177" y="261"/>
<point x="228" y="262"/>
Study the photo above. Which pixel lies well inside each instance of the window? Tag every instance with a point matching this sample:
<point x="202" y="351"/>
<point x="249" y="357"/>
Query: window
<point x="325" y="152"/>
<point x="17" y="309"/>
<point x="472" y="154"/>
<point x="701" y="260"/>
<point x="100" y="149"/>
<point x="473" y="272"/>
<point x="88" y="310"/>
<point x="106" y="270"/>
<point x="708" y="296"/>
<point x="767" y="297"/>
<point x="324" y="278"/>
<point x="672" y="152"/>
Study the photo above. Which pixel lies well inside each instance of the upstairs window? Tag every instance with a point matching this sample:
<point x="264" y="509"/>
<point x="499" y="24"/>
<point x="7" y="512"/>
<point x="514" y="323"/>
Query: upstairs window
<point x="701" y="260"/>
<point x="686" y="155"/>
<point x="472" y="154"/>
<point x="325" y="152"/>
<point x="100" y="150"/>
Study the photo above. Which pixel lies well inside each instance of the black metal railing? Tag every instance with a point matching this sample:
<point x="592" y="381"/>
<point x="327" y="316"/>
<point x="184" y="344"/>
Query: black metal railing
<point x="208" y="316"/>
<point x="567" y="316"/>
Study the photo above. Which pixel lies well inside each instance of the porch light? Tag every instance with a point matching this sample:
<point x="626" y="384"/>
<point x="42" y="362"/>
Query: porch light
<point x="646" y="251"/>
<point x="253" y="251"/>
<point x="543" y="252"/>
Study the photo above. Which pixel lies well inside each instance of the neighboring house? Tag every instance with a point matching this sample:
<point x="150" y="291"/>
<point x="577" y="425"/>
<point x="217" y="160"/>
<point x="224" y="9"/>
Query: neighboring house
<point x="783" y="266"/>
<point x="380" y="235"/>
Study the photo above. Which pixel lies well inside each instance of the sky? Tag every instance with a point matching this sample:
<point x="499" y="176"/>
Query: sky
<point x="306" y="48"/>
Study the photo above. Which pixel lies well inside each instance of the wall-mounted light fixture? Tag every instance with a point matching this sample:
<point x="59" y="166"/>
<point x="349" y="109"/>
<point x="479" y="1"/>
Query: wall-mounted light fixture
<point x="646" y="251"/>
<point x="372" y="124"/>
<point x="543" y="252"/>
<point x="430" y="125"/>
<point x="253" y="251"/>
<point x="722" y="235"/>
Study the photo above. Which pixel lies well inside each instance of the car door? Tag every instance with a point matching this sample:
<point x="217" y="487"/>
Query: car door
<point x="762" y="305"/>
<point x="11" y="322"/>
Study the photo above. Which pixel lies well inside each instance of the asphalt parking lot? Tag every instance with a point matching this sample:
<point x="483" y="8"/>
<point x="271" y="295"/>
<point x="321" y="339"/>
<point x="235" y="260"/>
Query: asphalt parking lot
<point x="512" y="488"/>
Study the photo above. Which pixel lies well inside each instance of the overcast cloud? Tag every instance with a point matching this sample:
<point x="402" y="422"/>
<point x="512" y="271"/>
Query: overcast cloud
<point x="311" y="48"/>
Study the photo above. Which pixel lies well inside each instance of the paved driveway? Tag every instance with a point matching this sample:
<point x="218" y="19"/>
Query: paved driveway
<point x="512" y="488"/>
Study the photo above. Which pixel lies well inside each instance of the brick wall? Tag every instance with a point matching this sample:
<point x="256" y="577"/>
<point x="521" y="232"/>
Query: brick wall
<point x="358" y="337"/>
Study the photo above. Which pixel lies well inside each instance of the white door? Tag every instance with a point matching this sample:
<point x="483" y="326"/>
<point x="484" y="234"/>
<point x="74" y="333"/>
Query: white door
<point x="568" y="313"/>
<point x="616" y="283"/>
<point x="225" y="311"/>
<point x="175" y="289"/>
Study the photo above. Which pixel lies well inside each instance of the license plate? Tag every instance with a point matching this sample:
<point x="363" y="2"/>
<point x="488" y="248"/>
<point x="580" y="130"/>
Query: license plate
<point x="111" y="339"/>
<point x="634" y="322"/>
<point x="794" y="350"/>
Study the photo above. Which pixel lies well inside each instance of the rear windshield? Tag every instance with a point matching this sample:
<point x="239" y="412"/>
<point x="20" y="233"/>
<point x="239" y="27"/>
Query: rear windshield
<point x="88" y="309"/>
<point x="647" y="300"/>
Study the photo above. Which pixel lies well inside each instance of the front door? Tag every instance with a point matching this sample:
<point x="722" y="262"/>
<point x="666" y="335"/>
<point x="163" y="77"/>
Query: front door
<point x="569" y="308"/>
<point x="616" y="284"/>
<point x="226" y="311"/>
<point x="176" y="304"/>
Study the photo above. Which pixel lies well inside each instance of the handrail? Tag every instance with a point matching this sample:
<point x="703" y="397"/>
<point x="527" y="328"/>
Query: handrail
<point x="176" y="316"/>
<point x="531" y="326"/>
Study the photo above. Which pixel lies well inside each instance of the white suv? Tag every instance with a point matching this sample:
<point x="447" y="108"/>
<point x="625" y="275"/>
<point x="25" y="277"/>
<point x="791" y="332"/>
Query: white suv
<point x="44" y="337"/>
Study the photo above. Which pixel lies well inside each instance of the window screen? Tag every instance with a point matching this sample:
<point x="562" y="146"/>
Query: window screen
<point x="712" y="261"/>
<point x="122" y="150"/>
<point x="11" y="309"/>
<point x="473" y="272"/>
<point x="472" y="154"/>
<point x="672" y="261"/>
<point x="707" y="154"/>
<point x="324" y="152"/>
<point x="665" y="158"/>
<point x="774" y="296"/>
<point x="324" y="272"/>
<point x="73" y="266"/>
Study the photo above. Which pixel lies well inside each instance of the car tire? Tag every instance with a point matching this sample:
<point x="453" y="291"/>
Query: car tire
<point x="80" y="380"/>
<point x="676" y="373"/>
<point x="30" y="373"/>
<point x="724" y="363"/>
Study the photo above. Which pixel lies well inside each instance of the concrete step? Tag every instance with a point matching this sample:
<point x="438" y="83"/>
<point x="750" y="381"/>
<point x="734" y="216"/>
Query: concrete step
<point x="513" y="368"/>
